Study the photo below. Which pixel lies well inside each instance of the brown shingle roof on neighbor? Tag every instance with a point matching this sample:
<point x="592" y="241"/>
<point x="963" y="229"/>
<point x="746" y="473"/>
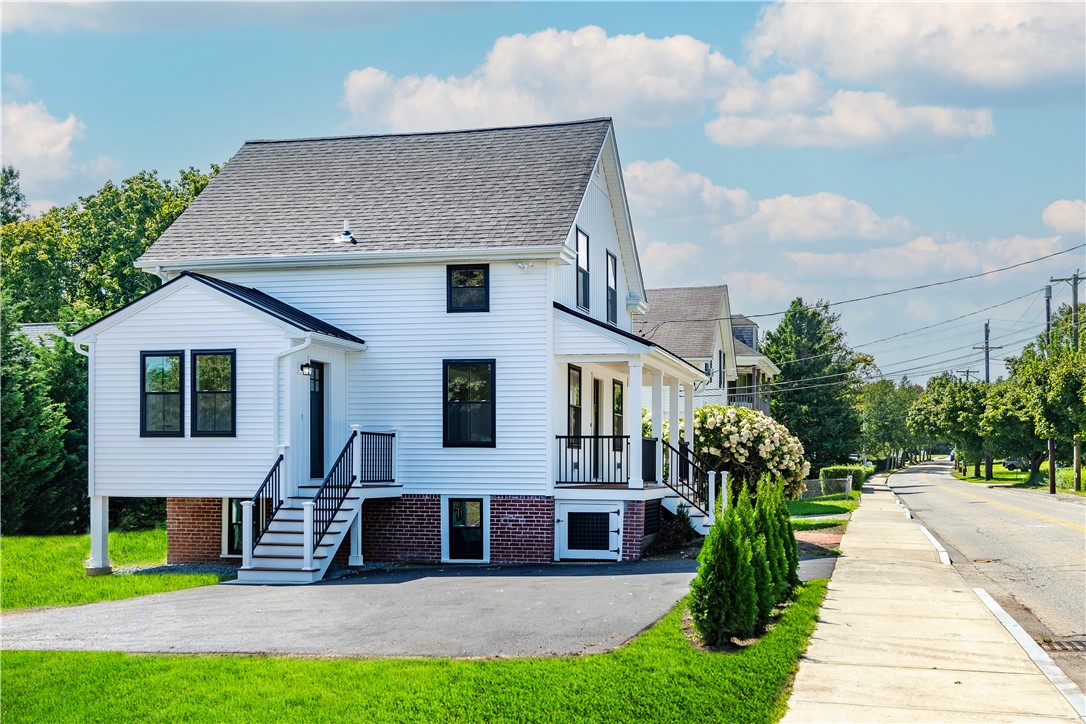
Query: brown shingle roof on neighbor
<point x="670" y="311"/>
<point x="503" y="188"/>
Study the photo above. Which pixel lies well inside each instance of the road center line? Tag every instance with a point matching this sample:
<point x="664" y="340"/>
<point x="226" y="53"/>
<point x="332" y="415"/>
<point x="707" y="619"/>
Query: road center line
<point x="1039" y="516"/>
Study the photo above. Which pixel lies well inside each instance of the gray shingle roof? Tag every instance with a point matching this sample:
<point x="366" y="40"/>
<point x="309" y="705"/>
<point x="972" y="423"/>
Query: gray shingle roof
<point x="495" y="188"/>
<point x="669" y="324"/>
<point x="41" y="333"/>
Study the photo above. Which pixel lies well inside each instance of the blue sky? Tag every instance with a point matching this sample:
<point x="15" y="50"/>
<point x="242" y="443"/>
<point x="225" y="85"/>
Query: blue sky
<point x="822" y="150"/>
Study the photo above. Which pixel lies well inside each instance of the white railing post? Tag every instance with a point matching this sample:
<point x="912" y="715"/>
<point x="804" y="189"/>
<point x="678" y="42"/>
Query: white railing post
<point x="307" y="535"/>
<point x="395" y="455"/>
<point x="287" y="486"/>
<point x="246" y="534"/>
<point x="848" y="487"/>
<point x="723" y="491"/>
<point x="356" y="462"/>
<point x="712" y="497"/>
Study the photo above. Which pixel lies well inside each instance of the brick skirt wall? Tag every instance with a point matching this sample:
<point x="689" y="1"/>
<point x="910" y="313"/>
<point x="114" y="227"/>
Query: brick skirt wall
<point x="633" y="530"/>
<point x="408" y="529"/>
<point x="194" y="530"/>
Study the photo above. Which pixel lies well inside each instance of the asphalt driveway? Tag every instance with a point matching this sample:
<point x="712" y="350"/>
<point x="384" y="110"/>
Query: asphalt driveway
<point x="454" y="611"/>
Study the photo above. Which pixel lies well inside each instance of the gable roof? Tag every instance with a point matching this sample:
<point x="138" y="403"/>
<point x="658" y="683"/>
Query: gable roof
<point x="41" y="333"/>
<point x="684" y="320"/>
<point x="254" y="298"/>
<point x="738" y="320"/>
<point x="491" y="188"/>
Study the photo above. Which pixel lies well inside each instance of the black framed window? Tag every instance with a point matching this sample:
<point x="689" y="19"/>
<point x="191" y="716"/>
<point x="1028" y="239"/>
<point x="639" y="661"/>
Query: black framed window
<point x="466" y="527"/>
<point x="214" y="392"/>
<point x="469" y="410"/>
<point x="583" y="286"/>
<point x="720" y="374"/>
<point x="612" y="288"/>
<point x="233" y="526"/>
<point x="468" y="288"/>
<point x="162" y="404"/>
<point x="574" y="405"/>
<point x="617" y="425"/>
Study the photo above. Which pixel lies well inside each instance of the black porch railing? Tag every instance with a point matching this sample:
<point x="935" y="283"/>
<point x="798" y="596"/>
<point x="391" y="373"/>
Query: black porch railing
<point x="593" y="459"/>
<point x="267" y="501"/>
<point x="376" y="464"/>
<point x="687" y="475"/>
<point x="327" y="501"/>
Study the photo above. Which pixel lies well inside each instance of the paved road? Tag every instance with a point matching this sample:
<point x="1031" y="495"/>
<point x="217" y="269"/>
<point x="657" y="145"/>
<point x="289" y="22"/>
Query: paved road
<point x="1026" y="548"/>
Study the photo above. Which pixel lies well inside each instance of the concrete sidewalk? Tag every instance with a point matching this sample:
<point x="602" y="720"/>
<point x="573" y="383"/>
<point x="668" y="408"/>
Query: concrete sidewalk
<point x="902" y="637"/>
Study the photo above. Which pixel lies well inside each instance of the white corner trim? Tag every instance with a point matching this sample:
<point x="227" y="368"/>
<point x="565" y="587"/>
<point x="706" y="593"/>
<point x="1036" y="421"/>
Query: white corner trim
<point x="445" y="498"/>
<point x="1044" y="662"/>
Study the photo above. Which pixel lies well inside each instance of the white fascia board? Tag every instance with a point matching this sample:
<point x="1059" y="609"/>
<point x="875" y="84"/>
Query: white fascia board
<point x="761" y="362"/>
<point x="677" y="367"/>
<point x="344" y="345"/>
<point x="553" y="251"/>
<point x="624" y="221"/>
<point x="156" y="296"/>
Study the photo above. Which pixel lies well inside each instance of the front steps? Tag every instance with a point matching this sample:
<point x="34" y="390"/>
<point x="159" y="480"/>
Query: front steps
<point x="701" y="521"/>
<point x="278" y="557"/>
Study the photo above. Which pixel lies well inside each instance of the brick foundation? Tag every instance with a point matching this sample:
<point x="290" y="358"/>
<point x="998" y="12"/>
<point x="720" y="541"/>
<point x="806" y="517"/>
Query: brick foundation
<point x="194" y="531"/>
<point x="633" y="530"/>
<point x="408" y="529"/>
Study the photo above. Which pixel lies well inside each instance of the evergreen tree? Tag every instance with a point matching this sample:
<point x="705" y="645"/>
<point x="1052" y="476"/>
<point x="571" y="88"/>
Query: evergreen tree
<point x="12" y="201"/>
<point x="764" y="587"/>
<point x="722" y="597"/>
<point x="814" y="396"/>
<point x="766" y="523"/>
<point x="32" y="443"/>
<point x="788" y="538"/>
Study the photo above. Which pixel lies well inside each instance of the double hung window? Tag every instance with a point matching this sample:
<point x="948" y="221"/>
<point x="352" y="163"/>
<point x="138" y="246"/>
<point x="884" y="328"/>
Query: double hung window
<point x="468" y="288"/>
<point x="583" y="286"/>
<point x="162" y="407"/>
<point x="213" y="393"/>
<point x="574" y="406"/>
<point x="612" y="288"/>
<point x="617" y="425"/>
<point x="469" y="411"/>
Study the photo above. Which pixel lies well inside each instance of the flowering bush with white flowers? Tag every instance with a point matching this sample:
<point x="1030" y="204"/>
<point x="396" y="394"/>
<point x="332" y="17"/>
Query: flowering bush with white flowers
<point x="748" y="445"/>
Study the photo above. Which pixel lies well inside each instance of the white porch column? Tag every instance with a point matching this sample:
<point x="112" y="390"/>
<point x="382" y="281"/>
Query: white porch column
<point x="99" y="564"/>
<point x="688" y="415"/>
<point x="673" y="412"/>
<point x="632" y="420"/>
<point x="658" y="421"/>
<point x="356" y="540"/>
<point x="246" y="534"/>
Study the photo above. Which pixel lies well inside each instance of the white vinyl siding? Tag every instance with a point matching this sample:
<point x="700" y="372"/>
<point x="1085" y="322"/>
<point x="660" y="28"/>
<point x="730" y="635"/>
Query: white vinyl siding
<point x="396" y="384"/>
<point x="595" y="218"/>
<point x="126" y="464"/>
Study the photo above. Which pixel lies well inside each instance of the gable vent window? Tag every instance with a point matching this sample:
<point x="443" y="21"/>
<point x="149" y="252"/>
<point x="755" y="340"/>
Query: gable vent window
<point x="612" y="288"/>
<point x="583" y="286"/>
<point x="468" y="288"/>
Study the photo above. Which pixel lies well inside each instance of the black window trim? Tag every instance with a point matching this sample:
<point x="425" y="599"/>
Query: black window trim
<point x="620" y="416"/>
<point x="574" y="436"/>
<point x="584" y="289"/>
<point x="612" y="291"/>
<point x="233" y="432"/>
<point x="449" y="270"/>
<point x="445" y="403"/>
<point x="180" y="354"/>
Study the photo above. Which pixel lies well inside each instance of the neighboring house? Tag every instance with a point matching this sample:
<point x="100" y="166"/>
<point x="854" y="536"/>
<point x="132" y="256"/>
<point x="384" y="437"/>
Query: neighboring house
<point x="419" y="343"/>
<point x="42" y="334"/>
<point x="755" y="371"/>
<point x="697" y="324"/>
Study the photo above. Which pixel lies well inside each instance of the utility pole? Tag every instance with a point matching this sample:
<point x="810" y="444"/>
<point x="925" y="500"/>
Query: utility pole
<point x="966" y="373"/>
<point x="1074" y="279"/>
<point x="1048" y="343"/>
<point x="987" y="379"/>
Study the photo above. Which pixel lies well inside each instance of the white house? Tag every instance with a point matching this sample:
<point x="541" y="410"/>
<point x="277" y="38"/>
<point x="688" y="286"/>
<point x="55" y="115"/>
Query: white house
<point x="697" y="324"/>
<point x="421" y="343"/>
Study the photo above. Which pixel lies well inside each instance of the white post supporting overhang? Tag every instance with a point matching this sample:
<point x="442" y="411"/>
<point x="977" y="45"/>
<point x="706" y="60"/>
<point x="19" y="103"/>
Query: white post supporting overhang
<point x="632" y="419"/>
<point x="688" y="414"/>
<point x="673" y="412"/>
<point x="658" y="420"/>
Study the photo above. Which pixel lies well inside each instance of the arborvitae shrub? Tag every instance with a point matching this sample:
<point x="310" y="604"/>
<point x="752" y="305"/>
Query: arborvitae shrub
<point x="788" y="538"/>
<point x="764" y="588"/>
<point x="767" y="524"/>
<point x="722" y="596"/>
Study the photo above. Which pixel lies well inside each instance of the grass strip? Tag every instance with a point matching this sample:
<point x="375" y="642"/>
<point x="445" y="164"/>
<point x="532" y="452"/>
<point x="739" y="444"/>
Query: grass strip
<point x="817" y="524"/>
<point x="48" y="570"/>
<point x="825" y="505"/>
<point x="658" y="677"/>
<point x="1065" y="478"/>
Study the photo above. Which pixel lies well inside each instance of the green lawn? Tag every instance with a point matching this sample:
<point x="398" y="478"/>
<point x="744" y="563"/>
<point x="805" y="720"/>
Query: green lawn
<point x="657" y="677"/>
<point x="826" y="505"/>
<point x="817" y="524"/>
<point x="1065" y="478"/>
<point x="48" y="570"/>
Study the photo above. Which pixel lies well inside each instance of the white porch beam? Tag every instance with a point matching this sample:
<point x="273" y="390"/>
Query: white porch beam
<point x="657" y="412"/>
<point x="99" y="564"/>
<point x="632" y="422"/>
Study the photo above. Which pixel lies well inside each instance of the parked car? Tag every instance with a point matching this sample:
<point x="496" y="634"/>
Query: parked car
<point x="1014" y="464"/>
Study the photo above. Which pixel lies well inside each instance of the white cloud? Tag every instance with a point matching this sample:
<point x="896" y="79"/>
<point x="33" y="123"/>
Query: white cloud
<point x="36" y="207"/>
<point x="39" y="145"/>
<point x="794" y="110"/>
<point x="1066" y="216"/>
<point x="663" y="188"/>
<point x="817" y="217"/>
<point x="16" y="85"/>
<point x="552" y="75"/>
<point x="931" y="49"/>
<point x="668" y="263"/>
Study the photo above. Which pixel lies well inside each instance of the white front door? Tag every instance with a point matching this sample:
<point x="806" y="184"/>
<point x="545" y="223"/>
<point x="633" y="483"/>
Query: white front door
<point x="590" y="531"/>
